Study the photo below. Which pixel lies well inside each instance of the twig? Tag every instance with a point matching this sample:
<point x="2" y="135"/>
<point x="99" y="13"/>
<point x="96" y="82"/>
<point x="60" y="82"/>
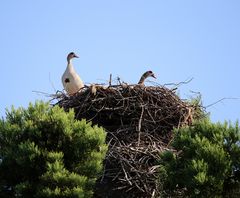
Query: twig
<point x="110" y="80"/>
<point x="58" y="94"/>
<point x="140" y="125"/>
<point x="180" y="83"/>
<point x="49" y="76"/>
<point x="220" y="101"/>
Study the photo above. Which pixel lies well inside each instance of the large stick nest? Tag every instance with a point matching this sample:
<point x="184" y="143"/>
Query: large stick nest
<point x="139" y="122"/>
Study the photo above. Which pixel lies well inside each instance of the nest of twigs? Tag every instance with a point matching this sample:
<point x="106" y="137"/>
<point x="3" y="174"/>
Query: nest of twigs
<point x="139" y="122"/>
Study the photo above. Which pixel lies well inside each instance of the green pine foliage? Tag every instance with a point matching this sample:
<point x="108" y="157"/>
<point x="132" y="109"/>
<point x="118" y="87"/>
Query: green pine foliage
<point x="207" y="163"/>
<point x="45" y="152"/>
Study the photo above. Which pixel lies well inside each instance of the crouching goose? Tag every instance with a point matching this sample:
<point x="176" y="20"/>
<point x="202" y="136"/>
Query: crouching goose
<point x="144" y="76"/>
<point x="71" y="81"/>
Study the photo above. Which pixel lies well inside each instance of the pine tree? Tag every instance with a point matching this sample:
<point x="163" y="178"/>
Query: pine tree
<point x="207" y="162"/>
<point x="45" y="152"/>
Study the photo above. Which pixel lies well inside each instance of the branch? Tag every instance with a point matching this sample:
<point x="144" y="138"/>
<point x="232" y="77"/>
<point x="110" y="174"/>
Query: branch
<point x="180" y="83"/>
<point x="220" y="101"/>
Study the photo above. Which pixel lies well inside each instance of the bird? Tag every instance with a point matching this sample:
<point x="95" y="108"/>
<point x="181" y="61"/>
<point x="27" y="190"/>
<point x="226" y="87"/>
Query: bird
<point x="71" y="81"/>
<point x="144" y="76"/>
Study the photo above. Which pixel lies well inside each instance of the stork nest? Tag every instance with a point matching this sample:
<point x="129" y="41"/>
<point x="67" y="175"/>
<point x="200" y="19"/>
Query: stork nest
<point x="139" y="122"/>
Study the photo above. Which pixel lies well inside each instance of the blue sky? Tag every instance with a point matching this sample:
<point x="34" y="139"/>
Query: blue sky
<point x="178" y="40"/>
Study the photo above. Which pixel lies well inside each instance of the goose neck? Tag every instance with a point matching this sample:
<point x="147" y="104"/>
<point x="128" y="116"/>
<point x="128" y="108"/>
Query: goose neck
<point x="142" y="79"/>
<point x="69" y="64"/>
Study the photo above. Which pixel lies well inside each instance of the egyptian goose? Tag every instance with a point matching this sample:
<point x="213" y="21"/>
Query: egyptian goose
<point x="144" y="76"/>
<point x="71" y="81"/>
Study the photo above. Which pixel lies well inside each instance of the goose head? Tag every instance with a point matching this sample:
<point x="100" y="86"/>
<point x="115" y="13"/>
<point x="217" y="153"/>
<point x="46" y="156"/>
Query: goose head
<point x="146" y="75"/>
<point x="149" y="74"/>
<point x="71" y="55"/>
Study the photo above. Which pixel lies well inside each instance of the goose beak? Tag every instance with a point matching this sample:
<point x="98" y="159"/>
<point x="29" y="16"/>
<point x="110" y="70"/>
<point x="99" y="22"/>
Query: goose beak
<point x="75" y="56"/>
<point x="153" y="76"/>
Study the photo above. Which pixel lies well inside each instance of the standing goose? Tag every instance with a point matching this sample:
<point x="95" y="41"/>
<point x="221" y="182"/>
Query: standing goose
<point x="144" y="76"/>
<point x="71" y="81"/>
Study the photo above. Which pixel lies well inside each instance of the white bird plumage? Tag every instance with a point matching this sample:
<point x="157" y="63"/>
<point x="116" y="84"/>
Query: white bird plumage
<point x="71" y="81"/>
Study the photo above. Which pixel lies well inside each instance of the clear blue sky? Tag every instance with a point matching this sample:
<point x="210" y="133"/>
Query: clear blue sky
<point x="178" y="40"/>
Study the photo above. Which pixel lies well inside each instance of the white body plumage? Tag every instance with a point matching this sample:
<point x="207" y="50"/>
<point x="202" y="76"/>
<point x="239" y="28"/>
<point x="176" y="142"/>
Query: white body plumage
<point x="71" y="81"/>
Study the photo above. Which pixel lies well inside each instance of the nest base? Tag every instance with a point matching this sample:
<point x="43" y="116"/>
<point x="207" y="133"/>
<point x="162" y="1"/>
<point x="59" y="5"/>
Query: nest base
<point x="139" y="122"/>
